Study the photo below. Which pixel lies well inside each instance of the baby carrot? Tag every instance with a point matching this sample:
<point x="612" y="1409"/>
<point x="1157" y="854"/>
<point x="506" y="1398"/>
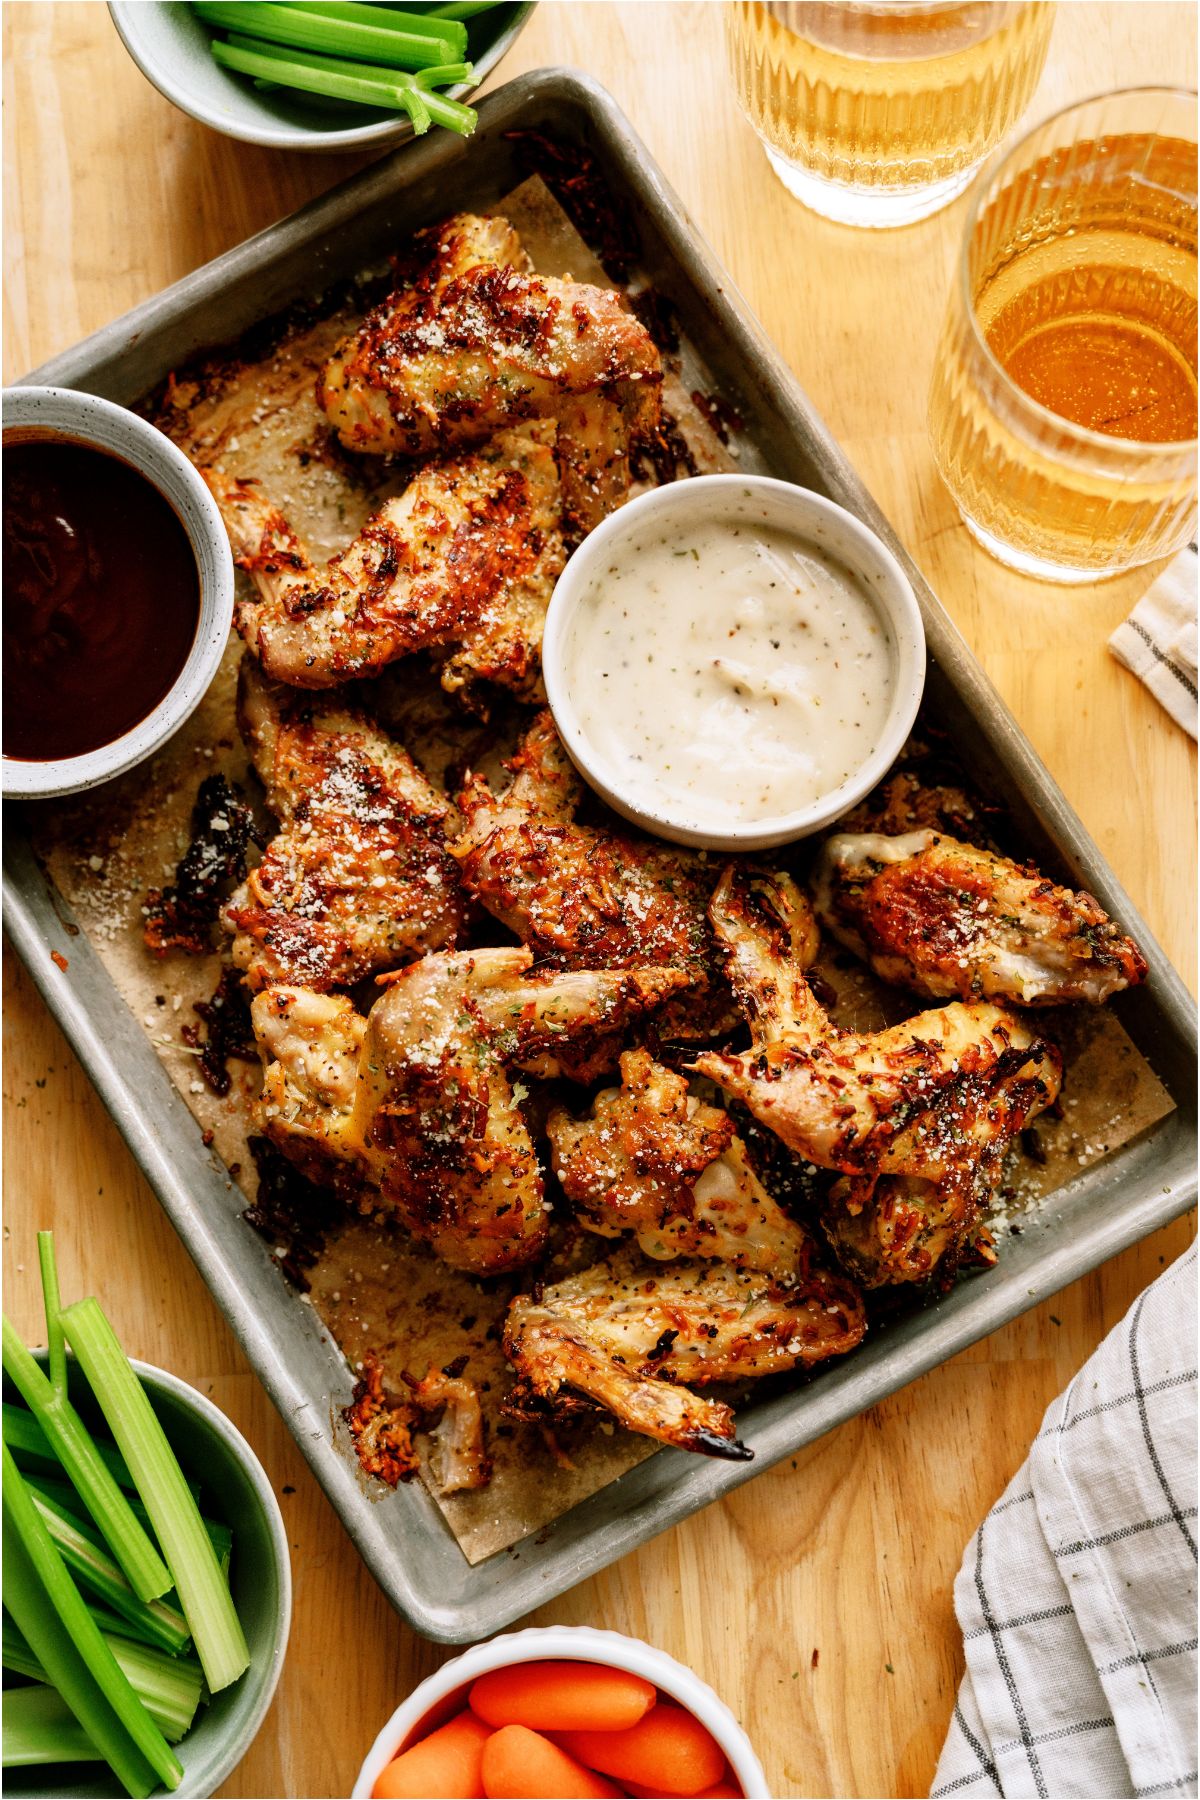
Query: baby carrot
<point x="519" y="1764"/>
<point x="446" y="1765"/>
<point x="562" y="1696"/>
<point x="668" y="1751"/>
<point x="722" y="1790"/>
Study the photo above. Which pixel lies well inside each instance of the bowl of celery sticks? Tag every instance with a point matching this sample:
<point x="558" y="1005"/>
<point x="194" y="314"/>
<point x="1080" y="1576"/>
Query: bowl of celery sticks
<point x="147" y="1585"/>
<point x="320" y="74"/>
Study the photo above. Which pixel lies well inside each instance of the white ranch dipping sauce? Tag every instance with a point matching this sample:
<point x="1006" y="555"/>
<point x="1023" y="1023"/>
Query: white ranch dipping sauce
<point x="732" y="674"/>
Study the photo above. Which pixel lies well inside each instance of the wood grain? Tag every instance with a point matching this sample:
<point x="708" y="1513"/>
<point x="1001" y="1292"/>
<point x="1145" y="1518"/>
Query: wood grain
<point x="850" y="1552"/>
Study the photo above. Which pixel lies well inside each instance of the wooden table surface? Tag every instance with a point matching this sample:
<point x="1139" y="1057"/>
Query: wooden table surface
<point x="852" y="1548"/>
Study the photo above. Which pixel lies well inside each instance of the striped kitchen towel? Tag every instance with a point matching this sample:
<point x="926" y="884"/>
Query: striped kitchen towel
<point x="1077" y="1595"/>
<point x="1158" y="639"/>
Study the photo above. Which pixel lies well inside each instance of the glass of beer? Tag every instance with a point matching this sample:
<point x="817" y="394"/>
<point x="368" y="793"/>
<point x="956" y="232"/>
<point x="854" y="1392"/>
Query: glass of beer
<point x="1063" y="404"/>
<point x="879" y="113"/>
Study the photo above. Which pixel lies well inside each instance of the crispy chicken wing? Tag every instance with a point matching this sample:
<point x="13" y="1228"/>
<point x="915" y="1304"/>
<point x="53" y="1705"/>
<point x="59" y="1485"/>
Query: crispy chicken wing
<point x="892" y="1229"/>
<point x="466" y="556"/>
<point x="358" y="877"/>
<point x="654" y="1160"/>
<point x="896" y="1229"/>
<point x="435" y="257"/>
<point x="467" y="344"/>
<point x="942" y="918"/>
<point x="905" y="802"/>
<point x="504" y="647"/>
<point x="936" y="1100"/>
<point x="587" y="896"/>
<point x="877" y="1103"/>
<point x="311" y="1045"/>
<point x="415" y="1104"/>
<point x="625" y="1332"/>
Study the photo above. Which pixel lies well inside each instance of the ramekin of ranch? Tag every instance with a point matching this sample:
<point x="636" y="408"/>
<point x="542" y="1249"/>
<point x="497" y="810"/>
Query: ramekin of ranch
<point x="733" y="661"/>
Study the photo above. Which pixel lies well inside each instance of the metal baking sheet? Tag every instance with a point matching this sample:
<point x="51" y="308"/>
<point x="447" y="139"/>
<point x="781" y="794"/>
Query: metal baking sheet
<point x="402" y="1536"/>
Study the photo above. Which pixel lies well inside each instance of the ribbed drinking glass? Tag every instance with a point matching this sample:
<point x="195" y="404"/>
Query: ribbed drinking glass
<point x="1063" y="405"/>
<point x="879" y="113"/>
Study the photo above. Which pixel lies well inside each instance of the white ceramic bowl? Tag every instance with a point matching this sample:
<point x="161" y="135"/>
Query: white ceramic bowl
<point x="170" y="45"/>
<point x="444" y="1693"/>
<point x="45" y="412"/>
<point x="676" y="510"/>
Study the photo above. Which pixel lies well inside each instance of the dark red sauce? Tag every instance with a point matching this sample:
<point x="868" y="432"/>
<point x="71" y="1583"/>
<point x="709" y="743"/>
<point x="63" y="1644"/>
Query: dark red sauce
<point x="101" y="599"/>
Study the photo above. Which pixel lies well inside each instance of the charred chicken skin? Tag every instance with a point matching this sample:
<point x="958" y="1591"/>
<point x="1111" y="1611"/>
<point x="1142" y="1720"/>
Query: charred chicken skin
<point x="435" y="257"/>
<point x="584" y="896"/>
<point x="861" y="1103"/>
<point x="627" y="1335"/>
<point x="897" y="1229"/>
<point x="893" y="1229"/>
<point x="470" y="343"/>
<point x="943" y="918"/>
<point x="905" y="802"/>
<point x="413" y="1110"/>
<point x="653" y="1160"/>
<point x="470" y="550"/>
<point x="936" y="1100"/>
<point x="358" y="877"/>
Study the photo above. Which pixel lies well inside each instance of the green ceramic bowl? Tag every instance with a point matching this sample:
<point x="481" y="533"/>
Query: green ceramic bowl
<point x="170" y="46"/>
<point x="236" y="1491"/>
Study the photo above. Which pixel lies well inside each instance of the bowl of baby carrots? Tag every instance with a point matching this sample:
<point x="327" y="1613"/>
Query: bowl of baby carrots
<point x="561" y="1713"/>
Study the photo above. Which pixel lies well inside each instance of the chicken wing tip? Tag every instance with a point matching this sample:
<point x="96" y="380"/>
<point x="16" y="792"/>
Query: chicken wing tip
<point x="711" y="1443"/>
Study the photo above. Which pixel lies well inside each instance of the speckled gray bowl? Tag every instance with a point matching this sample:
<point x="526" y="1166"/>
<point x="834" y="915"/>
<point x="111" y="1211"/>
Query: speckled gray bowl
<point x="47" y="412"/>
<point x="170" y="46"/>
<point x="234" y="1489"/>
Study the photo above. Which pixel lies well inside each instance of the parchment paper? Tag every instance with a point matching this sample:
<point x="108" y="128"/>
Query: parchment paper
<point x="374" y="1288"/>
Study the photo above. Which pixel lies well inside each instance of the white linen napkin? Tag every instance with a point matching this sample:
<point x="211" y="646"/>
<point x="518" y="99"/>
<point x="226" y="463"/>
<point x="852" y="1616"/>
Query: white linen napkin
<point x="1077" y="1595"/>
<point x="1157" y="642"/>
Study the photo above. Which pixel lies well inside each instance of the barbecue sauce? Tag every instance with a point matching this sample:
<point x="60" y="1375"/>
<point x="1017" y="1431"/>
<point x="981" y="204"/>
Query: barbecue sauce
<point x="101" y="599"/>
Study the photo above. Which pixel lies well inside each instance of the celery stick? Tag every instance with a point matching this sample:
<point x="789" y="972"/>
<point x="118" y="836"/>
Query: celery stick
<point x="386" y="18"/>
<point x="219" y="1536"/>
<point x="461" y="9"/>
<point x="157" y="1621"/>
<point x="386" y="88"/>
<point x="29" y="1445"/>
<point x="39" y="1727"/>
<point x="168" y="1686"/>
<point x="27" y="1441"/>
<point x="452" y="114"/>
<point x="55" y="1341"/>
<point x="202" y="1589"/>
<point x="417" y="110"/>
<point x="390" y="88"/>
<point x="445" y="75"/>
<point x="304" y="30"/>
<point x="115" y="1626"/>
<point x="47" y="1609"/>
<point x="17" y="1656"/>
<point x="68" y="1437"/>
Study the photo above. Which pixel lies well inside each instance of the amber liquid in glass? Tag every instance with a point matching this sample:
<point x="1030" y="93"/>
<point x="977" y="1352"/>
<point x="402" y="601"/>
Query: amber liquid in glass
<point x="1098" y="324"/>
<point x="1084" y="292"/>
<point x="884" y="100"/>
